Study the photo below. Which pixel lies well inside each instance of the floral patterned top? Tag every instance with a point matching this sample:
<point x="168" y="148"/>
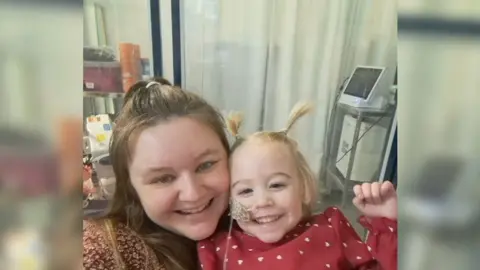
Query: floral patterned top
<point x="326" y="241"/>
<point x="112" y="248"/>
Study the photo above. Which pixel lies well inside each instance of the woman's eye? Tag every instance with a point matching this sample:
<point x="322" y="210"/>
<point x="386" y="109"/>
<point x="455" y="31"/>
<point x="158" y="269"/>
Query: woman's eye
<point x="245" y="191"/>
<point x="166" y="179"/>
<point x="205" y="166"/>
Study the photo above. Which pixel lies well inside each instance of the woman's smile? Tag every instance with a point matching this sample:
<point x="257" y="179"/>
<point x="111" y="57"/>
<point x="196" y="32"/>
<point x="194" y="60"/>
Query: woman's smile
<point x="195" y="210"/>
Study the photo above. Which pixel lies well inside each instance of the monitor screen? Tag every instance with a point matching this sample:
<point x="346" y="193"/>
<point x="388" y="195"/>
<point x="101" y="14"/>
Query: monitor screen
<point x="362" y="82"/>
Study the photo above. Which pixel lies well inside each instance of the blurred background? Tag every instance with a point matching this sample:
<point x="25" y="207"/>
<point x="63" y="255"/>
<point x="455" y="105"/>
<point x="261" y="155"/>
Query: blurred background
<point x="260" y="57"/>
<point x="439" y="90"/>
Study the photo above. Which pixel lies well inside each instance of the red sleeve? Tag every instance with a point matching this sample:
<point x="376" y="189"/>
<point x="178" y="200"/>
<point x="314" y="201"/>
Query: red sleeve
<point x="380" y="251"/>
<point x="382" y="240"/>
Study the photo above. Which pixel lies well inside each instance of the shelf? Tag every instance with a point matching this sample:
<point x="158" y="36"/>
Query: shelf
<point x="102" y="94"/>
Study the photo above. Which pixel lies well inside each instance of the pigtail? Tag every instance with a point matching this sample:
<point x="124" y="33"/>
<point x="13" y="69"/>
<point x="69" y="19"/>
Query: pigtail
<point x="234" y="122"/>
<point x="297" y="112"/>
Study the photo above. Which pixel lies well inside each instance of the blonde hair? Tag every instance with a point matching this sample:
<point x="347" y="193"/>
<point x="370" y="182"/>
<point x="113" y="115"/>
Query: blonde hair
<point x="309" y="185"/>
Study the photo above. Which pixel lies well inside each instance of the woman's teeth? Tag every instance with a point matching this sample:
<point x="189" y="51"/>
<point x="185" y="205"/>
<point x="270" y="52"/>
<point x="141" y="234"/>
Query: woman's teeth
<point x="195" y="210"/>
<point x="267" y="219"/>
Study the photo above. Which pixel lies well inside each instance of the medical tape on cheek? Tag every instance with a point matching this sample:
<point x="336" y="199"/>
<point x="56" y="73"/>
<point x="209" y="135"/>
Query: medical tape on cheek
<point x="239" y="212"/>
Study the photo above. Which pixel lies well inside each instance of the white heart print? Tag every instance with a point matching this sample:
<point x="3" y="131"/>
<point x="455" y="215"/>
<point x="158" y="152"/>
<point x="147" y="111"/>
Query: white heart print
<point x="307" y="239"/>
<point x="279" y="257"/>
<point x="234" y="247"/>
<point x="240" y="262"/>
<point x="260" y="259"/>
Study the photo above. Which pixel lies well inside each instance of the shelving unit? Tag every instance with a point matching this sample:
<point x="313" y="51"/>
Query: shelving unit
<point x="333" y="176"/>
<point x="101" y="102"/>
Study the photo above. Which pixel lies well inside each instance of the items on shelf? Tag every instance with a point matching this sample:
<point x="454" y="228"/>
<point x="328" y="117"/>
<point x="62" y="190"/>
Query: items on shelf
<point x="98" y="54"/>
<point x="103" y="77"/>
<point x="104" y="73"/>
<point x="101" y="71"/>
<point x="130" y="63"/>
<point x="99" y="132"/>
<point x="98" y="178"/>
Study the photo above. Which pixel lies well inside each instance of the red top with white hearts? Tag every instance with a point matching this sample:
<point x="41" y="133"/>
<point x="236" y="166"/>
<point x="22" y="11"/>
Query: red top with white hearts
<point x="326" y="241"/>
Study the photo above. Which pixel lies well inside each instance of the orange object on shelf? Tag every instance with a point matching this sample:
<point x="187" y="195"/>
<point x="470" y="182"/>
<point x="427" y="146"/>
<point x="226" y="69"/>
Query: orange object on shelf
<point x="130" y="63"/>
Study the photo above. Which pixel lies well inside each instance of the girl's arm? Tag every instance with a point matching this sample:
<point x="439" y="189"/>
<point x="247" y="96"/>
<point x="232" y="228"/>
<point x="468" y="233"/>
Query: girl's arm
<point x="382" y="240"/>
<point x="380" y="251"/>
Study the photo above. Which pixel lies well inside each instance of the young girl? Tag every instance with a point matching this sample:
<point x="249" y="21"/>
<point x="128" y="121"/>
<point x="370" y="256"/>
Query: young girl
<point x="272" y="196"/>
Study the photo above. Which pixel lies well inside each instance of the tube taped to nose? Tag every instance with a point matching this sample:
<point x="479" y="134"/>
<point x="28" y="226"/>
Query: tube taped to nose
<point x="239" y="212"/>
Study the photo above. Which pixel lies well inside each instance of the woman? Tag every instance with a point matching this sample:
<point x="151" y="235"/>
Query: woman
<point x="169" y="153"/>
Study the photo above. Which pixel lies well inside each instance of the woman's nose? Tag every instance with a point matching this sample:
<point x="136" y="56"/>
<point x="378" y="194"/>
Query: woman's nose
<point x="191" y="189"/>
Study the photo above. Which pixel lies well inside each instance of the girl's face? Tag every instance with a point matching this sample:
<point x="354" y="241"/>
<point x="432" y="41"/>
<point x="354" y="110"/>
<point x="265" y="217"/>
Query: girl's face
<point x="179" y="170"/>
<point x="265" y="180"/>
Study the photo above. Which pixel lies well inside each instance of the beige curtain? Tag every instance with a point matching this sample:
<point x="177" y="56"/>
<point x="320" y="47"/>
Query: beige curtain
<point x="261" y="57"/>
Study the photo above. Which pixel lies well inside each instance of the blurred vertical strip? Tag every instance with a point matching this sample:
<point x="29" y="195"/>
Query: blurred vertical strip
<point x="40" y="134"/>
<point x="439" y="134"/>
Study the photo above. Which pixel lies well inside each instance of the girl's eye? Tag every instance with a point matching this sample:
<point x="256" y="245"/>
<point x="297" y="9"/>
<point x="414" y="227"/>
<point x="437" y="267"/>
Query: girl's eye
<point x="245" y="191"/>
<point x="277" y="185"/>
<point x="165" y="179"/>
<point x="205" y="166"/>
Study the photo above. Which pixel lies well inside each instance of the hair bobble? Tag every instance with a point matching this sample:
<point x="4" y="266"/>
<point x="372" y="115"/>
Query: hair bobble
<point x="152" y="83"/>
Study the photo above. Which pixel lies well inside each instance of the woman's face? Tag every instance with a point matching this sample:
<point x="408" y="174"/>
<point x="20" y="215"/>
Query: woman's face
<point x="179" y="170"/>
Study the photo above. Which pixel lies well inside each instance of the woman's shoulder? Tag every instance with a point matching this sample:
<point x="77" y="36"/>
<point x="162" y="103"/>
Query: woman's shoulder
<point x="96" y="249"/>
<point x="115" y="246"/>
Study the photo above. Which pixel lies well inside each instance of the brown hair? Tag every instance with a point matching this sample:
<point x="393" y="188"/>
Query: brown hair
<point x="309" y="185"/>
<point x="147" y="104"/>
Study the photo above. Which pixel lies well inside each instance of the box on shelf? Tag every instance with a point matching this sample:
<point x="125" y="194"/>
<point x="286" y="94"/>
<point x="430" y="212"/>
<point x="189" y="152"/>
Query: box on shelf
<point x="102" y="77"/>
